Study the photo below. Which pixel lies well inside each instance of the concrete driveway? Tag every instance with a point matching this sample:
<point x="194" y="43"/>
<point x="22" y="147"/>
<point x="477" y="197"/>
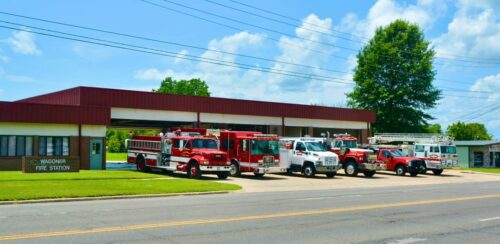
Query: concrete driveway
<point x="297" y="182"/>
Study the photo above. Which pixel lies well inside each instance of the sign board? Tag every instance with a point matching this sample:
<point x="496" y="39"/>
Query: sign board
<point x="50" y="164"/>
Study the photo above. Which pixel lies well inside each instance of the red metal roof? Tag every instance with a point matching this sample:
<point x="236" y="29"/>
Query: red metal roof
<point x="56" y="114"/>
<point x="91" y="96"/>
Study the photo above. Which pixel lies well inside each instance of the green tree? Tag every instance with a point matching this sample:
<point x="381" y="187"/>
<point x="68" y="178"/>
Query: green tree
<point x="434" y="128"/>
<point x="468" y="131"/>
<point x="194" y="87"/>
<point x="394" y="78"/>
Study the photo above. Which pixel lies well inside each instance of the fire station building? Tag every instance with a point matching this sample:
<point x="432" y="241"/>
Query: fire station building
<point x="72" y="123"/>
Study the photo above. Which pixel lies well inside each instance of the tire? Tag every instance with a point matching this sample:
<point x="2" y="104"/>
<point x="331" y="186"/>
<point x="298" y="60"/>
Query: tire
<point x="400" y="170"/>
<point x="413" y="174"/>
<point x="437" y="171"/>
<point x="235" y="169"/>
<point x="351" y="169"/>
<point x="309" y="170"/>
<point x="222" y="175"/>
<point x="194" y="171"/>
<point x="140" y="163"/>
<point x="259" y="175"/>
<point x="289" y="171"/>
<point x="331" y="174"/>
<point x="369" y="173"/>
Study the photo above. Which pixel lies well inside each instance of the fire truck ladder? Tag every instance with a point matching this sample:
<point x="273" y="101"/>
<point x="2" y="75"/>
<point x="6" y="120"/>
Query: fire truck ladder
<point x="411" y="137"/>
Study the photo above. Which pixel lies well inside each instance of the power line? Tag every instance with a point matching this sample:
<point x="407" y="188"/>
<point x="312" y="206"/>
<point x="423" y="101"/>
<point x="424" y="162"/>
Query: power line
<point x="174" y="55"/>
<point x="200" y="59"/>
<point x="484" y="113"/>
<point x="279" y="21"/>
<point x="178" y="44"/>
<point x="264" y="28"/>
<point x="297" y="20"/>
<point x="256" y="26"/>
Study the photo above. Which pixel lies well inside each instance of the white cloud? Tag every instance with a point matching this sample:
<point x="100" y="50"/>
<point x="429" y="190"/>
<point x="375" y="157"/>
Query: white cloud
<point x="23" y="42"/>
<point x="488" y="84"/>
<point x="383" y="12"/>
<point x="92" y="53"/>
<point x="179" y="58"/>
<point x="149" y="74"/>
<point x="3" y="58"/>
<point x="474" y="31"/>
<point x="230" y="44"/>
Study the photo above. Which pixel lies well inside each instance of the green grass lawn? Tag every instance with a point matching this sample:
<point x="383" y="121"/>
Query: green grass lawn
<point x="15" y="185"/>
<point x="116" y="157"/>
<point x="484" y="170"/>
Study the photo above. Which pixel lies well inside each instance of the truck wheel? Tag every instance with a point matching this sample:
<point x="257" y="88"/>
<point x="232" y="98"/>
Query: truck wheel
<point x="259" y="175"/>
<point x="437" y="171"/>
<point x="331" y="174"/>
<point x="289" y="171"/>
<point x="369" y="173"/>
<point x="401" y="170"/>
<point x="194" y="171"/>
<point x="235" y="169"/>
<point x="351" y="169"/>
<point x="222" y="175"/>
<point x="309" y="170"/>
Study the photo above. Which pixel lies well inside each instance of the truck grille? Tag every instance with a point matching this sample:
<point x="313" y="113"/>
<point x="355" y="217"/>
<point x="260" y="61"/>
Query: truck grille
<point x="330" y="161"/>
<point x="268" y="161"/>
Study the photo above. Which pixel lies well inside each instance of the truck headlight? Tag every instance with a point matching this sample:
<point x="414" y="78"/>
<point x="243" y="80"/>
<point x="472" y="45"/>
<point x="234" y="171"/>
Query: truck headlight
<point x="204" y="161"/>
<point x="318" y="162"/>
<point x="360" y="158"/>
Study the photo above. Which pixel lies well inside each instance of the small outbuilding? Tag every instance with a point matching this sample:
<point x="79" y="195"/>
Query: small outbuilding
<point x="478" y="154"/>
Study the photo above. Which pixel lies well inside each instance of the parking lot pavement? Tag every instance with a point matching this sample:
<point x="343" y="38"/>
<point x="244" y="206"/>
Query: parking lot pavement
<point x="297" y="182"/>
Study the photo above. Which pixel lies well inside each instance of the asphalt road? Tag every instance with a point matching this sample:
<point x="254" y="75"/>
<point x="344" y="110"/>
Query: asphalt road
<point x="444" y="213"/>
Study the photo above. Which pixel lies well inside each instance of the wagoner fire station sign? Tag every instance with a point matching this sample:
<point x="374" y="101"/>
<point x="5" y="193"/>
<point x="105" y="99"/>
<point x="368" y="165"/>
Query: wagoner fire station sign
<point x="50" y="164"/>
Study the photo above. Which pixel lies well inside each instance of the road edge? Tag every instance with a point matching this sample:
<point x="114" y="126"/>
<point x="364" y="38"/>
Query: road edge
<point x="81" y="199"/>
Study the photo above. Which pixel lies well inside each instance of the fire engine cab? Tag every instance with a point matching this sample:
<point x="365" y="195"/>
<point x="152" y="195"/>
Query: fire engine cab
<point x="251" y="151"/>
<point x="179" y="152"/>
<point x="438" y="151"/>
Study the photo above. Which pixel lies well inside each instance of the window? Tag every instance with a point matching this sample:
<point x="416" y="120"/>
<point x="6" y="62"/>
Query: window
<point x="20" y="146"/>
<point x="338" y="144"/>
<point x="53" y="146"/>
<point x="42" y="146"/>
<point x="4" y="148"/>
<point x="300" y="147"/>
<point x="177" y="143"/>
<point x="16" y="146"/>
<point x="186" y="144"/>
<point x="386" y="154"/>
<point x="419" y="148"/>
<point x="434" y="148"/>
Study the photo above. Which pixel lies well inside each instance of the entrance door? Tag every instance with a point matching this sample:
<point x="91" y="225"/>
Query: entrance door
<point x="497" y="159"/>
<point x="96" y="153"/>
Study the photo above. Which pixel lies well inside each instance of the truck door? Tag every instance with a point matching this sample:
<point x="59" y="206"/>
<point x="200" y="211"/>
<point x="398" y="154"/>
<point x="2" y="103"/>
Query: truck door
<point x="244" y="154"/>
<point x="387" y="159"/>
<point x="298" y="153"/>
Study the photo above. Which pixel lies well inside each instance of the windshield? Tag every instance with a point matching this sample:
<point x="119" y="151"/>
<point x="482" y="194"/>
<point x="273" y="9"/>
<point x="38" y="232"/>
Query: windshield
<point x="260" y="147"/>
<point x="398" y="153"/>
<point x="350" y="144"/>
<point x="449" y="149"/>
<point x="315" y="146"/>
<point x="201" y="143"/>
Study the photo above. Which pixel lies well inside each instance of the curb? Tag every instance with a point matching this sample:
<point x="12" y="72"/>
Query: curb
<point x="481" y="173"/>
<point x="81" y="199"/>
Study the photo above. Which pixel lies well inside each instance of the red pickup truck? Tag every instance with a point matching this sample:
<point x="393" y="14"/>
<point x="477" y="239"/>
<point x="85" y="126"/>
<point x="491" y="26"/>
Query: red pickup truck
<point x="395" y="160"/>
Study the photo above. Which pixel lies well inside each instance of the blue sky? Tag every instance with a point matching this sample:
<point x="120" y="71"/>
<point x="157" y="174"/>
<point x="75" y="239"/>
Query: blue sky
<point x="465" y="35"/>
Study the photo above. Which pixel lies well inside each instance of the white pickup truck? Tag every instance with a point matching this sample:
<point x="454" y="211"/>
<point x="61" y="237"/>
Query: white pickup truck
<point x="308" y="156"/>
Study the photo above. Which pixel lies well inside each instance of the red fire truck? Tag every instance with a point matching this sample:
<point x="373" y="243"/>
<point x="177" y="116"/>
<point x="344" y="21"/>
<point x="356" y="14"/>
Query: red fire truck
<point x="354" y="159"/>
<point x="179" y="151"/>
<point x="251" y="151"/>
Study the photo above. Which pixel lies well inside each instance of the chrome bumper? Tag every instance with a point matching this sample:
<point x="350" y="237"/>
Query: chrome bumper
<point x="263" y="170"/>
<point x="372" y="166"/>
<point x="433" y="165"/>
<point x="206" y="168"/>
<point x="323" y="169"/>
